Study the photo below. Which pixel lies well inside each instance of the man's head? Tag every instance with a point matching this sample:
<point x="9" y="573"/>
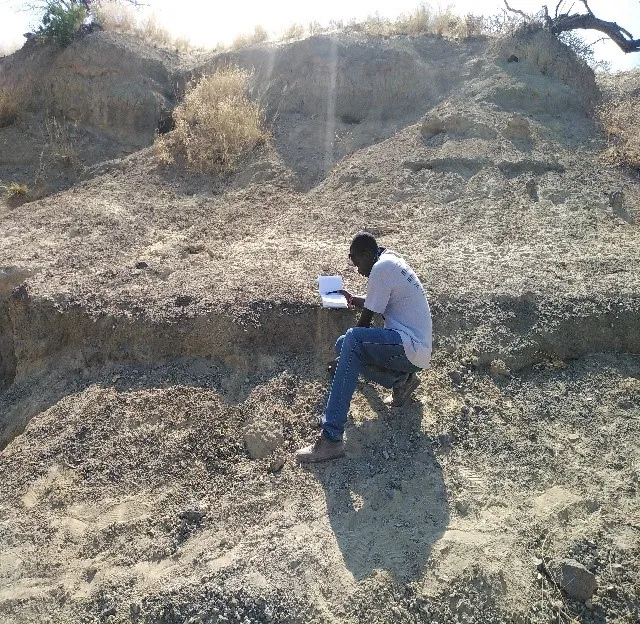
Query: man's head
<point x="363" y="252"/>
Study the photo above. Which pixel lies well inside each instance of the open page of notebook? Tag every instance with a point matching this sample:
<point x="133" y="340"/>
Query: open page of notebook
<point x="327" y="285"/>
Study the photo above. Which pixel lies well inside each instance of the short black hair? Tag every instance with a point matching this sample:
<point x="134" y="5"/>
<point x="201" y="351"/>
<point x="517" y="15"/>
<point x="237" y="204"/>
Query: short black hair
<point x="363" y="241"/>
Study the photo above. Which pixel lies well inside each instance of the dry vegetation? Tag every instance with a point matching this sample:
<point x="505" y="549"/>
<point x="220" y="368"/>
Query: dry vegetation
<point x="214" y="125"/>
<point x="259" y="35"/>
<point x="58" y="134"/>
<point x="17" y="190"/>
<point x="421" y="21"/>
<point x="116" y="17"/>
<point x="621" y="121"/>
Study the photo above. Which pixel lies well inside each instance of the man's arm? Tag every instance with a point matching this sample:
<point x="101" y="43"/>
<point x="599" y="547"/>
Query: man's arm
<point x="358" y="302"/>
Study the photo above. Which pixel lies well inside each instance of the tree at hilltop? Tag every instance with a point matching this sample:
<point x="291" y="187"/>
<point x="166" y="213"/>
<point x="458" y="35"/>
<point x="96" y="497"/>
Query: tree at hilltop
<point x="565" y="22"/>
<point x="62" y="20"/>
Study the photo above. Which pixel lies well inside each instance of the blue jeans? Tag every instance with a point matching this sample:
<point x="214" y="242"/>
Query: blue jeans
<point x="376" y="353"/>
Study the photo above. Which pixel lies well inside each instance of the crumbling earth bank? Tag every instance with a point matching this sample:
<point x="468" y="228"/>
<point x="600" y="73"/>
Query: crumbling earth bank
<point x="162" y="356"/>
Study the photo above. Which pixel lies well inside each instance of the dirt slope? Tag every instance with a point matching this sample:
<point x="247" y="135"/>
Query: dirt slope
<point x="152" y="323"/>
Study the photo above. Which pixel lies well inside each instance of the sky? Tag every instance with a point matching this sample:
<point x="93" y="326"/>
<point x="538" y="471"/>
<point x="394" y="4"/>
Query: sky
<point x="206" y="23"/>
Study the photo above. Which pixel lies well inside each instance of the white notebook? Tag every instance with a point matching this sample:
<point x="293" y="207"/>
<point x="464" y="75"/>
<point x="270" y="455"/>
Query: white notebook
<point x="327" y="285"/>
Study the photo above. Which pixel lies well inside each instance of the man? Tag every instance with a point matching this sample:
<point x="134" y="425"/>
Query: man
<point x="389" y="356"/>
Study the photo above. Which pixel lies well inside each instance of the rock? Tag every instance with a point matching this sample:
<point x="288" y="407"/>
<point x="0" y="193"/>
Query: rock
<point x="142" y="265"/>
<point x="182" y="301"/>
<point x="194" y="514"/>
<point x="262" y="437"/>
<point x="276" y="463"/>
<point x="462" y="507"/>
<point x="517" y="129"/>
<point x="573" y="578"/>
<point x="616" y="199"/>
<point x="431" y="126"/>
<point x="108" y="612"/>
<point x="556" y="502"/>
<point x="455" y="377"/>
<point x="498" y="367"/>
<point x="21" y="293"/>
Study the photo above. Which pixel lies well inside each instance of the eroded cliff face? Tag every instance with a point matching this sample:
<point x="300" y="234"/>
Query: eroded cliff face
<point x="324" y="97"/>
<point x="112" y="84"/>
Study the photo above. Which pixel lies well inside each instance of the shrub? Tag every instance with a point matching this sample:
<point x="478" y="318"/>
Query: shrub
<point x="295" y="31"/>
<point x="215" y="124"/>
<point x="117" y="17"/>
<point x="424" y="20"/>
<point x="61" y="23"/>
<point x="17" y="190"/>
<point x="259" y="35"/>
<point x="621" y="121"/>
<point x="59" y="140"/>
<point x="152" y="32"/>
<point x="8" y="108"/>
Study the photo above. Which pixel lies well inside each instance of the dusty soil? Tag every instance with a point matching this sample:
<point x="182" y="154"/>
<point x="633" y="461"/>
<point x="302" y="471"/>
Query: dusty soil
<point x="152" y="320"/>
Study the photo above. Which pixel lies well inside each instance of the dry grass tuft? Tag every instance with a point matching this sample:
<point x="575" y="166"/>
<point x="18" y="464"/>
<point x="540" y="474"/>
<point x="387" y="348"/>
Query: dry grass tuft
<point x="215" y="124"/>
<point x="58" y="134"/>
<point x="424" y="20"/>
<point x="259" y="35"/>
<point x="621" y="121"/>
<point x="17" y="190"/>
<point x="293" y="32"/>
<point x="152" y="32"/>
<point x="116" y="17"/>
<point x="9" y="107"/>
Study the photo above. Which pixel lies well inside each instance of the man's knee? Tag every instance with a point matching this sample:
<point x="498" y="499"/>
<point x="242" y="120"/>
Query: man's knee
<point x="352" y="339"/>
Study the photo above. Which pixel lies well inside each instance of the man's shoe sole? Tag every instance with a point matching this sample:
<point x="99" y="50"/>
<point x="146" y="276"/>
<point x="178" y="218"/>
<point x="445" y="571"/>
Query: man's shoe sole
<point x="318" y="460"/>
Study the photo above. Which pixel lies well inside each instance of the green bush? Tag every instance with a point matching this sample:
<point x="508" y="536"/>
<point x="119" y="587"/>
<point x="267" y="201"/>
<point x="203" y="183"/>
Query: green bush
<point x="61" y="22"/>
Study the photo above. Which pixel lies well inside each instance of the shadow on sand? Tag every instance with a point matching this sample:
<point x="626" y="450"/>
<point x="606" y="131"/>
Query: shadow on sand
<point x="386" y="501"/>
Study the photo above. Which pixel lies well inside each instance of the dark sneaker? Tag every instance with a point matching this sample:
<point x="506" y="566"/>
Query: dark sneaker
<point x="403" y="392"/>
<point x="321" y="450"/>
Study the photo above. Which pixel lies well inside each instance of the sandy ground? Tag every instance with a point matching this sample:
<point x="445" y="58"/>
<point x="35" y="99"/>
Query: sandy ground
<point x="137" y="494"/>
<point x="153" y="323"/>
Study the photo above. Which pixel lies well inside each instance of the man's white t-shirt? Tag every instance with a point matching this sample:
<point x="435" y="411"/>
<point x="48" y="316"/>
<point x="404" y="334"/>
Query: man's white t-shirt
<point x="395" y="291"/>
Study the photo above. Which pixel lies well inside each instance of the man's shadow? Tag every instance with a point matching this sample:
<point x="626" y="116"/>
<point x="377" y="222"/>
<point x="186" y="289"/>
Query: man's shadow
<point x="386" y="501"/>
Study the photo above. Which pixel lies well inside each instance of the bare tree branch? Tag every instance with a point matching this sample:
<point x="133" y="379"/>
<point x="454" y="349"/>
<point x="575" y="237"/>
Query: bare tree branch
<point x="522" y="13"/>
<point x="621" y="37"/>
<point x="563" y="22"/>
<point x="557" y="7"/>
<point x="586" y="6"/>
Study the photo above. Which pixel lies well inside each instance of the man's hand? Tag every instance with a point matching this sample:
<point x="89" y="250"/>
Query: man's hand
<point x="358" y="302"/>
<point x="352" y="300"/>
